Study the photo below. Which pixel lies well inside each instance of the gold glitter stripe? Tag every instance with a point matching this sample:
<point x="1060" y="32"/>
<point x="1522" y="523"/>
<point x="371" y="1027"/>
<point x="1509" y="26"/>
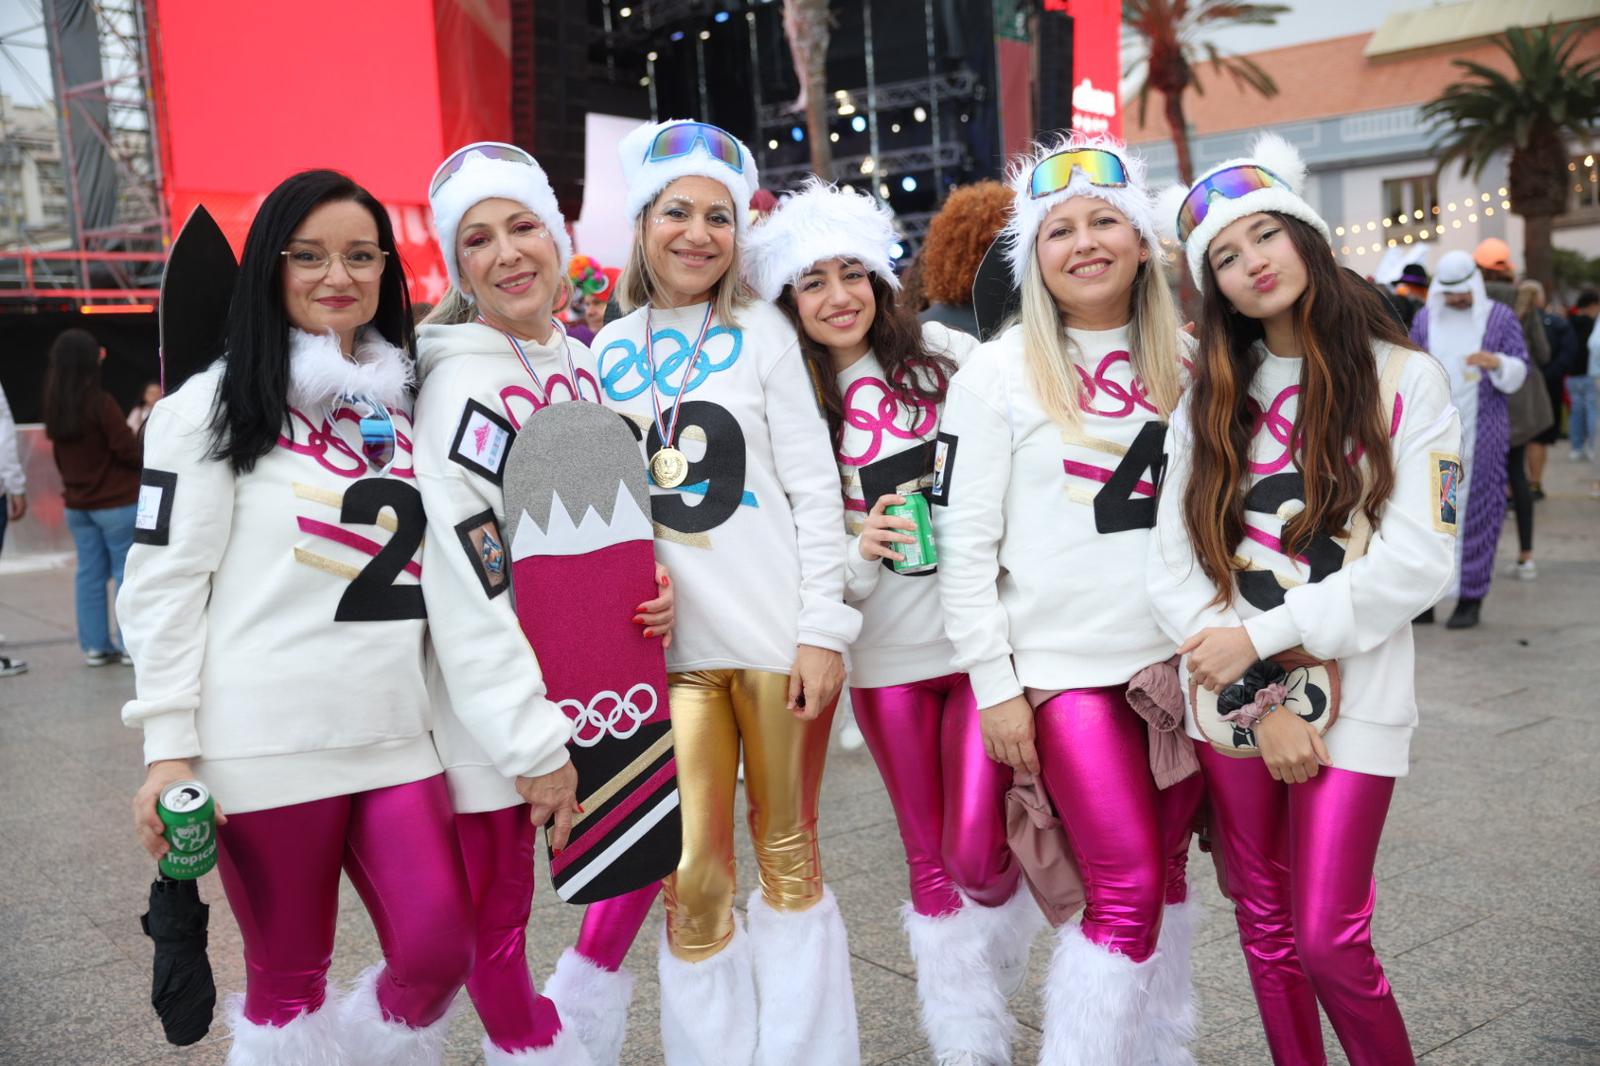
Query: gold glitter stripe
<point x="1083" y="496"/>
<point x="693" y="540"/>
<point x="325" y="564"/>
<point x="385" y="519"/>
<point x="1098" y="444"/>
<point x="593" y="800"/>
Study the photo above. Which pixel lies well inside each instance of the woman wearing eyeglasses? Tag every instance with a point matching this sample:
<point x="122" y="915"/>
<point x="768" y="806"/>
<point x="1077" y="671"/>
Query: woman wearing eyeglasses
<point x="1052" y="454"/>
<point x="272" y="607"/>
<point x="1311" y="504"/>
<point x="490" y="355"/>
<point x="746" y="503"/>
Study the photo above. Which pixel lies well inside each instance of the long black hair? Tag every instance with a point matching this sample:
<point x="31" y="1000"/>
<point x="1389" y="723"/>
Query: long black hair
<point x="72" y="380"/>
<point x="252" y="401"/>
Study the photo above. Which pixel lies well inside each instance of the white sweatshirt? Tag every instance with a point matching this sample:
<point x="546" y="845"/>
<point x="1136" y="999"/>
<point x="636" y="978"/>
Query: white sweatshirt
<point x="751" y="537"/>
<point x="1359" y="613"/>
<point x="886" y="446"/>
<point x="12" y="480"/>
<point x="1042" y="538"/>
<point x="474" y="395"/>
<point x="275" y="639"/>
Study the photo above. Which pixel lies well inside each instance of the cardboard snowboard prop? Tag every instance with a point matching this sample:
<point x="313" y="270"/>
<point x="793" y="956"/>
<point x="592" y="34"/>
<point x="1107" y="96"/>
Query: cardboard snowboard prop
<point x="582" y="559"/>
<point x="994" y="298"/>
<point x="195" y="290"/>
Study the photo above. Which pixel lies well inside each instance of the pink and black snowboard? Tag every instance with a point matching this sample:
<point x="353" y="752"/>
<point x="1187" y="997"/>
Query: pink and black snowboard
<point x="582" y="560"/>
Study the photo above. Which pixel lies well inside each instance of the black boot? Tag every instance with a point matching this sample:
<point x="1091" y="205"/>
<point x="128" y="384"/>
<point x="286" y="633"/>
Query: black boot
<point x="1424" y="619"/>
<point x="1465" y="616"/>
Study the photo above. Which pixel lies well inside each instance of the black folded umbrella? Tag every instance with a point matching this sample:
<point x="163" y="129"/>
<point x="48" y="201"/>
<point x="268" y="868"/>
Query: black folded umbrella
<point x="183" y="991"/>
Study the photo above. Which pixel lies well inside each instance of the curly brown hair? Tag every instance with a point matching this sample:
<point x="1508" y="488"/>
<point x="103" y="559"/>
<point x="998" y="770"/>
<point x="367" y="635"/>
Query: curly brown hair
<point x="958" y="237"/>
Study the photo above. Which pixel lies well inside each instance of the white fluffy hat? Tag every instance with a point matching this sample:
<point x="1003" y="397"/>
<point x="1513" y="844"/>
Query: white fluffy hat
<point x="482" y="177"/>
<point x="1027" y="213"/>
<point x="645" y="177"/>
<point x="820" y="221"/>
<point x="1271" y="153"/>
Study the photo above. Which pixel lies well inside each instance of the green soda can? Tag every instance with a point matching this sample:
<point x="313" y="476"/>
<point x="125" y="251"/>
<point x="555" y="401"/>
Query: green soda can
<point x="190" y="815"/>
<point x="921" y="555"/>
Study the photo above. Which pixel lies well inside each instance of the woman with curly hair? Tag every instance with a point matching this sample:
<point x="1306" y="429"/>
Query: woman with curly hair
<point x="958" y="237"/>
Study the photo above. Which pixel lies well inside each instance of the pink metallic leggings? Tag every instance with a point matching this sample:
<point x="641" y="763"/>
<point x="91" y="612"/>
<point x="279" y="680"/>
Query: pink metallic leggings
<point x="280" y="869"/>
<point x="1299" y="868"/>
<point x="948" y="795"/>
<point x="1131" y="839"/>
<point x="497" y="848"/>
<point x="610" y="926"/>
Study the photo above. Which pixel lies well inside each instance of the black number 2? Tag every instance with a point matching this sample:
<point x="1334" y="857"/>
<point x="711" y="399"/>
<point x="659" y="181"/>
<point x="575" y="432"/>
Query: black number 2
<point x="1116" y="508"/>
<point x="721" y="469"/>
<point x="373" y="596"/>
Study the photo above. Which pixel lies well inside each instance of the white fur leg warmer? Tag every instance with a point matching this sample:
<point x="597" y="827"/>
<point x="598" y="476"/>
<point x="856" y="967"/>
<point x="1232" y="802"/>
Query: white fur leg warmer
<point x="593" y="1003"/>
<point x="566" y="1050"/>
<point x="808" y="1003"/>
<point x="370" y="1039"/>
<point x="1169" y="1011"/>
<point x="708" y="1008"/>
<point x="308" y="1040"/>
<point x="1013" y="927"/>
<point x="1092" y="1004"/>
<point x="963" y="1006"/>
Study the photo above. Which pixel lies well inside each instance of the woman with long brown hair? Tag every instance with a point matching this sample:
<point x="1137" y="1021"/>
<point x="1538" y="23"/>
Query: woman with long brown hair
<point x="1310" y="506"/>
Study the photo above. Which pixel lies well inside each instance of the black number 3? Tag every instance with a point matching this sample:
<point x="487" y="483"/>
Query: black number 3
<point x="373" y="596"/>
<point x="1267" y="496"/>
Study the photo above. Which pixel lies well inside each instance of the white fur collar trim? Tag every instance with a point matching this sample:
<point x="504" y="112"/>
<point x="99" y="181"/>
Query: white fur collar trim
<point x="319" y="373"/>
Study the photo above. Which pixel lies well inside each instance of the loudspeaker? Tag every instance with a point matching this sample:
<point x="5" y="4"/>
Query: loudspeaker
<point x="549" y="92"/>
<point x="1052" y="108"/>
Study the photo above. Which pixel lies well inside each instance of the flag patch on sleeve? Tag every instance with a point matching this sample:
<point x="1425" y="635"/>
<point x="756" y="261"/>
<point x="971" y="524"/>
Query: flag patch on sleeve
<point x="944" y="468"/>
<point x="482" y="441"/>
<point x="152" y="522"/>
<point x="486" y="551"/>
<point x="1446" y="480"/>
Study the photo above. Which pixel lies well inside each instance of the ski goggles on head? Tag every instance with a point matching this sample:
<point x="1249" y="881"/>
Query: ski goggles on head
<point x="1227" y="184"/>
<point x="508" y="153"/>
<point x="1053" y="174"/>
<point x="679" y="140"/>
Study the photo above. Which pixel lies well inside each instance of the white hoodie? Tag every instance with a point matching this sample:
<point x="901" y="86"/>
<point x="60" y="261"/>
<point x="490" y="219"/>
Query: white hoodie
<point x="275" y="641"/>
<point x="1360" y="611"/>
<point x="474" y="395"/>
<point x="902" y="628"/>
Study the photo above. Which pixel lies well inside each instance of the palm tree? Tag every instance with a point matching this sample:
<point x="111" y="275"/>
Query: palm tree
<point x="1174" y="50"/>
<point x="1547" y="101"/>
<point x="807" y="25"/>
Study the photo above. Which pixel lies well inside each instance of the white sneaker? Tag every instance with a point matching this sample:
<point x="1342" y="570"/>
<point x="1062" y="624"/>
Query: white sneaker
<point x="99" y="658"/>
<point x="1526" y="570"/>
<point x="850" y="738"/>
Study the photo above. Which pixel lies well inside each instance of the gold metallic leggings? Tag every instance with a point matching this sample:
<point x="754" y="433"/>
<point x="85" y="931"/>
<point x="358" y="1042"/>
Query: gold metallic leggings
<point x="713" y="711"/>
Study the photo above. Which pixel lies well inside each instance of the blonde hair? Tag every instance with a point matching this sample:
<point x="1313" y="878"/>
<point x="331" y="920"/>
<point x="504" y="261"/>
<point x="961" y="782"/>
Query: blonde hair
<point x="452" y="309"/>
<point x="637" y="284"/>
<point x="1048" y="351"/>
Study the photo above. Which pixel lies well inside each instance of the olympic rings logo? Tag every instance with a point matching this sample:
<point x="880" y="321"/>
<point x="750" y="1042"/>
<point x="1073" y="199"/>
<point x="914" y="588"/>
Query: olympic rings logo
<point x="629" y="375"/>
<point x="1279" y="427"/>
<point x="885" y="421"/>
<point x="1103" y="385"/>
<point x="608" y="714"/>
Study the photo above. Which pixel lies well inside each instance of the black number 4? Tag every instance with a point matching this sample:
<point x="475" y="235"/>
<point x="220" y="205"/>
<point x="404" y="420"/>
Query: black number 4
<point x="373" y="596"/>
<point x="1116" y="508"/>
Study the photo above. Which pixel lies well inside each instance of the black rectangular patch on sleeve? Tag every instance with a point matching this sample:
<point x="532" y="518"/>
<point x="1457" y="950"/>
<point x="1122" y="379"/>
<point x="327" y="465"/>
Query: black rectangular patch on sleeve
<point x="944" y="468"/>
<point x="486" y="551"/>
<point x="482" y="441"/>
<point x="152" y="523"/>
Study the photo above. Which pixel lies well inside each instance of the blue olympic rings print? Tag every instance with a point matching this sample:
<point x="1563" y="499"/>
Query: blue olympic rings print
<point x="626" y="373"/>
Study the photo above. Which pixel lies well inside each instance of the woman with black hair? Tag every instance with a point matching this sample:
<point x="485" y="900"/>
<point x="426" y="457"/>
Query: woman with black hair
<point x="274" y="612"/>
<point x="98" y="457"/>
<point x="1310" y="507"/>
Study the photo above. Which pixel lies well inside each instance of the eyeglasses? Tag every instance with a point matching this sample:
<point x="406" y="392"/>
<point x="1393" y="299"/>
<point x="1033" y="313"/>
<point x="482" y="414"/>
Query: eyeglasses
<point x="679" y="140"/>
<point x="1227" y="184"/>
<point x="363" y="263"/>
<point x="506" y="153"/>
<point x="1101" y="167"/>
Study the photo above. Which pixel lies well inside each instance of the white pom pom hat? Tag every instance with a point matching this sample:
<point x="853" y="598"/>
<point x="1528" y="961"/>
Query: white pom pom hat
<point x="821" y="221"/>
<point x="484" y="171"/>
<point x="659" y="153"/>
<point x="1028" y="212"/>
<point x="1270" y="153"/>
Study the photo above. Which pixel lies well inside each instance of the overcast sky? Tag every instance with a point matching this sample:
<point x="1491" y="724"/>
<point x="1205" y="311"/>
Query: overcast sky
<point x="1308" y="20"/>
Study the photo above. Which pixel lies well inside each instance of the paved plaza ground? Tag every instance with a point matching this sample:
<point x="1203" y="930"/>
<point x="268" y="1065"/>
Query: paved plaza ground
<point x="1489" y="877"/>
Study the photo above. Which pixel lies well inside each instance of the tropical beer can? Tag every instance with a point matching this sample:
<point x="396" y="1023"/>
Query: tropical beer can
<point x="190" y="816"/>
<point x="920" y="555"/>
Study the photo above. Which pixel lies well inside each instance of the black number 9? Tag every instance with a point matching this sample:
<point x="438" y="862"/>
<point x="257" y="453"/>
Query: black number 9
<point x="720" y="470"/>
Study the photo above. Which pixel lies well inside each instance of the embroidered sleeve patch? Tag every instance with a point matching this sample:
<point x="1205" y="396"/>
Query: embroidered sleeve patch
<point x="944" y="468"/>
<point x="1446" y="470"/>
<point x="152" y="523"/>
<point x="486" y="551"/>
<point x="481" y="442"/>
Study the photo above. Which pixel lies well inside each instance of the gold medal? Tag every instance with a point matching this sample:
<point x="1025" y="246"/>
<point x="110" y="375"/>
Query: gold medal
<point x="668" y="468"/>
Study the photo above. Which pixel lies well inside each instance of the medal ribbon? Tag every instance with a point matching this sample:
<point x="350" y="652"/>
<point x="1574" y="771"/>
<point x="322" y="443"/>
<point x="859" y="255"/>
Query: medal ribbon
<point x="669" y="432"/>
<point x="527" y="364"/>
<point x="379" y="443"/>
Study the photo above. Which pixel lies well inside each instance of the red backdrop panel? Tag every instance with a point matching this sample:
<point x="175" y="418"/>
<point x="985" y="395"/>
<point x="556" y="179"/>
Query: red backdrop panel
<point x="474" y="45"/>
<point x="1096" y="66"/>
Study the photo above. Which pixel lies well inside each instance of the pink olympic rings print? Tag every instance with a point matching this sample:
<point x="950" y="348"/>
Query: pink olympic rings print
<point x="885" y="420"/>
<point x="326" y="445"/>
<point x="1102" y="384"/>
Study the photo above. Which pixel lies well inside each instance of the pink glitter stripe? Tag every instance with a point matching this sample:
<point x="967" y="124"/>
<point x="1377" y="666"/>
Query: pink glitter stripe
<point x="352" y="540"/>
<point x="1094" y="473"/>
<point x="855" y="505"/>
<point x="645" y="793"/>
<point x="1272" y="542"/>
